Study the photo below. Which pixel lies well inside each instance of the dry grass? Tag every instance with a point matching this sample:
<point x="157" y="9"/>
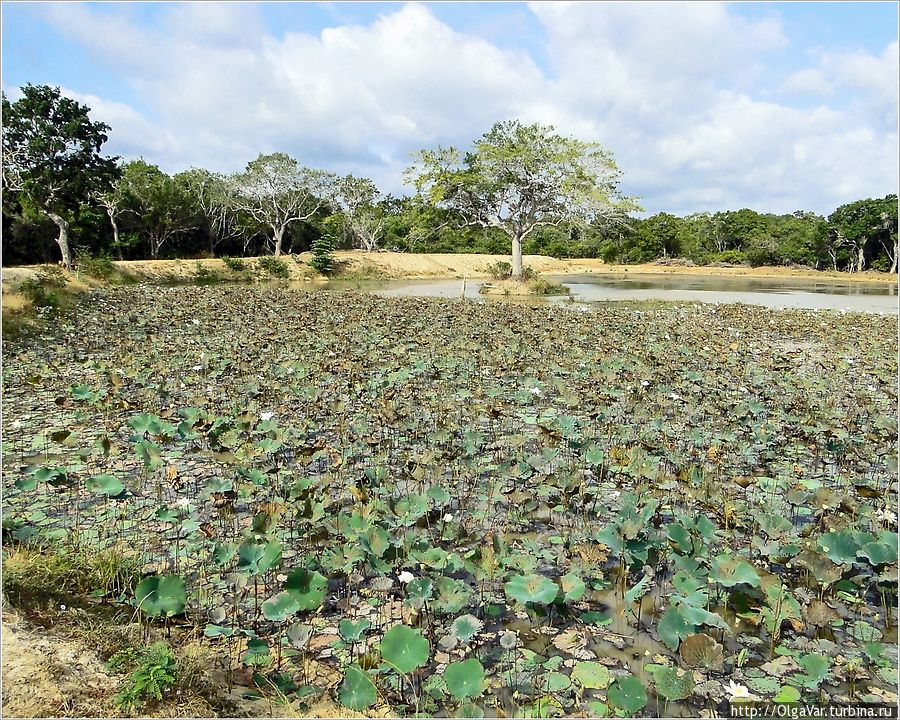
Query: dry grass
<point x="439" y="265"/>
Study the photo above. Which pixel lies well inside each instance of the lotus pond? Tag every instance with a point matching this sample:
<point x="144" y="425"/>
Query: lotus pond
<point x="442" y="507"/>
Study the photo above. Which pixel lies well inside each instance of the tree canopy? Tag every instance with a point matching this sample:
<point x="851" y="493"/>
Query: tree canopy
<point x="51" y="155"/>
<point x="518" y="177"/>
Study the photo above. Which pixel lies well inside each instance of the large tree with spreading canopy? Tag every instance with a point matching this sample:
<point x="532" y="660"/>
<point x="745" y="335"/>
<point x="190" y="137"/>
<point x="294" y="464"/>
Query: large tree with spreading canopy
<point x="51" y="156"/>
<point x="518" y="177"/>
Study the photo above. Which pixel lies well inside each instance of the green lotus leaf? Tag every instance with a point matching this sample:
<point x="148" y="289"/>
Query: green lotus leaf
<point x="105" y="485"/>
<point x="672" y="683"/>
<point x="405" y="648"/>
<point x="591" y="675"/>
<point x="464" y="679"/>
<point x="308" y="588"/>
<point x="840" y="547"/>
<point x="532" y="588"/>
<point x="730" y="570"/>
<point x="465" y="627"/>
<point x="258" y="557"/>
<point x="628" y="694"/>
<point x="572" y="586"/>
<point x="357" y="691"/>
<point x="279" y="606"/>
<point x="161" y="595"/>
<point x="352" y="631"/>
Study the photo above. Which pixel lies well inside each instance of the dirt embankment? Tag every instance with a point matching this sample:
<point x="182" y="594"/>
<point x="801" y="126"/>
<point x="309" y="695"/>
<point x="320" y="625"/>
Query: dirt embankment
<point x="438" y="265"/>
<point x="47" y="676"/>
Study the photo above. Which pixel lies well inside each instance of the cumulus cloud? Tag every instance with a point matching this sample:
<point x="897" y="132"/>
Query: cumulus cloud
<point x="672" y="89"/>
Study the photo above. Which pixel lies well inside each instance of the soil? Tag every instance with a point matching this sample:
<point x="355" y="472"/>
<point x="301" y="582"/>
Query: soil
<point x="447" y="265"/>
<point x="48" y="676"/>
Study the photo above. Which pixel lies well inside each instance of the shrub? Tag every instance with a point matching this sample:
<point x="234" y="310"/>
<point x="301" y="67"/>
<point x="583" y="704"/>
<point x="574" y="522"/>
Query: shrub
<point x="235" y="264"/>
<point x="206" y="276"/>
<point x="155" y="672"/>
<point x="276" y="267"/>
<point x="323" y="254"/>
<point x="97" y="266"/>
<point x="540" y="286"/>
<point x="42" y="290"/>
<point x="500" y="270"/>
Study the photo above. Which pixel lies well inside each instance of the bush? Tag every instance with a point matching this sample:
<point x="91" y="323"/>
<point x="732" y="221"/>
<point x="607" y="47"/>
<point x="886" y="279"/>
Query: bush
<point x="500" y="270"/>
<point x="540" y="286"/>
<point x="276" y="267"/>
<point x="155" y="672"/>
<point x="98" y="266"/>
<point x="42" y="291"/>
<point x="206" y="276"/>
<point x="234" y="264"/>
<point x="323" y="254"/>
<point x="728" y="257"/>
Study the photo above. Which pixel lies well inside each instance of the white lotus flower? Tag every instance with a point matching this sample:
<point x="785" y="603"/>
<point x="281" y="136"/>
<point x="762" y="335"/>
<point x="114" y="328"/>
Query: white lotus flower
<point x="266" y="416"/>
<point x="737" y="691"/>
<point x="448" y="518"/>
<point x="406" y="577"/>
<point x="182" y="503"/>
<point x="535" y="391"/>
<point x="196" y="321"/>
<point x="197" y="367"/>
<point x="887" y="516"/>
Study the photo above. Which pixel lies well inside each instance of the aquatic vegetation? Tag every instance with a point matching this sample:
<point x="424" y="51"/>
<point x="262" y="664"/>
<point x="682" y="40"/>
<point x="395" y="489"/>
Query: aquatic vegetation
<point x="437" y="506"/>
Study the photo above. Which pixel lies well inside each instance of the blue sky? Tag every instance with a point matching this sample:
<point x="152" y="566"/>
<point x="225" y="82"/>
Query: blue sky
<point x="776" y="106"/>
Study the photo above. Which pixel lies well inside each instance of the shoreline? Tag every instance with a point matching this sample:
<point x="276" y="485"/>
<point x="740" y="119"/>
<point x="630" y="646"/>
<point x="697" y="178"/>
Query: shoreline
<point x="392" y="265"/>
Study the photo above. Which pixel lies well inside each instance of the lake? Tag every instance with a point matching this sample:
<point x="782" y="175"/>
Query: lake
<point x="768" y="292"/>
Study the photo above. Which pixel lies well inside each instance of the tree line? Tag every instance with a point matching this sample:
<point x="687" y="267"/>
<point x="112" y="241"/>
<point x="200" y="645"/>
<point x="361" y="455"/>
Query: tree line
<point x="520" y="188"/>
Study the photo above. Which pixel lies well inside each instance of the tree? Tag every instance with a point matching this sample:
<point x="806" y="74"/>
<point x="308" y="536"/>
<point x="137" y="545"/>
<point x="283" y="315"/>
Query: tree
<point x="210" y="192"/>
<point x="866" y="227"/>
<point x="162" y="206"/>
<point x="276" y="191"/>
<point x="520" y="177"/>
<point x="51" y="155"/>
<point x="364" y="216"/>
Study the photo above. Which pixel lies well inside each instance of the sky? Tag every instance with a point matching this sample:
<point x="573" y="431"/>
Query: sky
<point x="705" y="106"/>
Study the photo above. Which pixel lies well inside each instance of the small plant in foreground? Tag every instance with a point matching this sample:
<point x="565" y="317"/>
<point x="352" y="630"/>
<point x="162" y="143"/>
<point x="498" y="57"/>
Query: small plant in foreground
<point x="155" y="673"/>
<point x="276" y="267"/>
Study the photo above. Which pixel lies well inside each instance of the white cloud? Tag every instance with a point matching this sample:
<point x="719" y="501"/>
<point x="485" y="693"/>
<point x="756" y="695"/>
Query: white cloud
<point x="671" y="88"/>
<point x="807" y="82"/>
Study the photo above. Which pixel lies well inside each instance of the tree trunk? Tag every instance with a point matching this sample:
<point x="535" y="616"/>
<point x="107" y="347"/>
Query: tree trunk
<point x="861" y="258"/>
<point x="279" y="237"/>
<point x="63" y="239"/>
<point x="115" y="228"/>
<point x="517" y="256"/>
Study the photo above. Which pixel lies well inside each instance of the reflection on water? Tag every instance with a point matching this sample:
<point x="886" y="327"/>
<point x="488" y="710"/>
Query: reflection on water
<point x="768" y="292"/>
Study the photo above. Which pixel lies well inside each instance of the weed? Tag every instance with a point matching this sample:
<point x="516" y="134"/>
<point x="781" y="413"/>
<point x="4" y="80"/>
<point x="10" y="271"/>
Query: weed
<point x="205" y="275"/>
<point x="98" y="266"/>
<point x="32" y="574"/>
<point x="500" y="270"/>
<point x="154" y="674"/>
<point x="323" y="254"/>
<point x="274" y="266"/>
<point x="234" y="264"/>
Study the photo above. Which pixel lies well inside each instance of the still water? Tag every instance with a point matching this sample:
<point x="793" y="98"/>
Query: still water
<point x="768" y="292"/>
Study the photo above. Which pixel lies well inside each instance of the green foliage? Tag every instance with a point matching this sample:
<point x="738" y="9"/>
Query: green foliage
<point x="500" y="270"/>
<point x="276" y="267"/>
<point x="532" y="589"/>
<point x="234" y="264"/>
<point x="464" y="679"/>
<point x="155" y="674"/>
<point x="161" y="595"/>
<point x="628" y="694"/>
<point x="357" y="691"/>
<point x="96" y="266"/>
<point x="404" y="648"/>
<point x="323" y="254"/>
